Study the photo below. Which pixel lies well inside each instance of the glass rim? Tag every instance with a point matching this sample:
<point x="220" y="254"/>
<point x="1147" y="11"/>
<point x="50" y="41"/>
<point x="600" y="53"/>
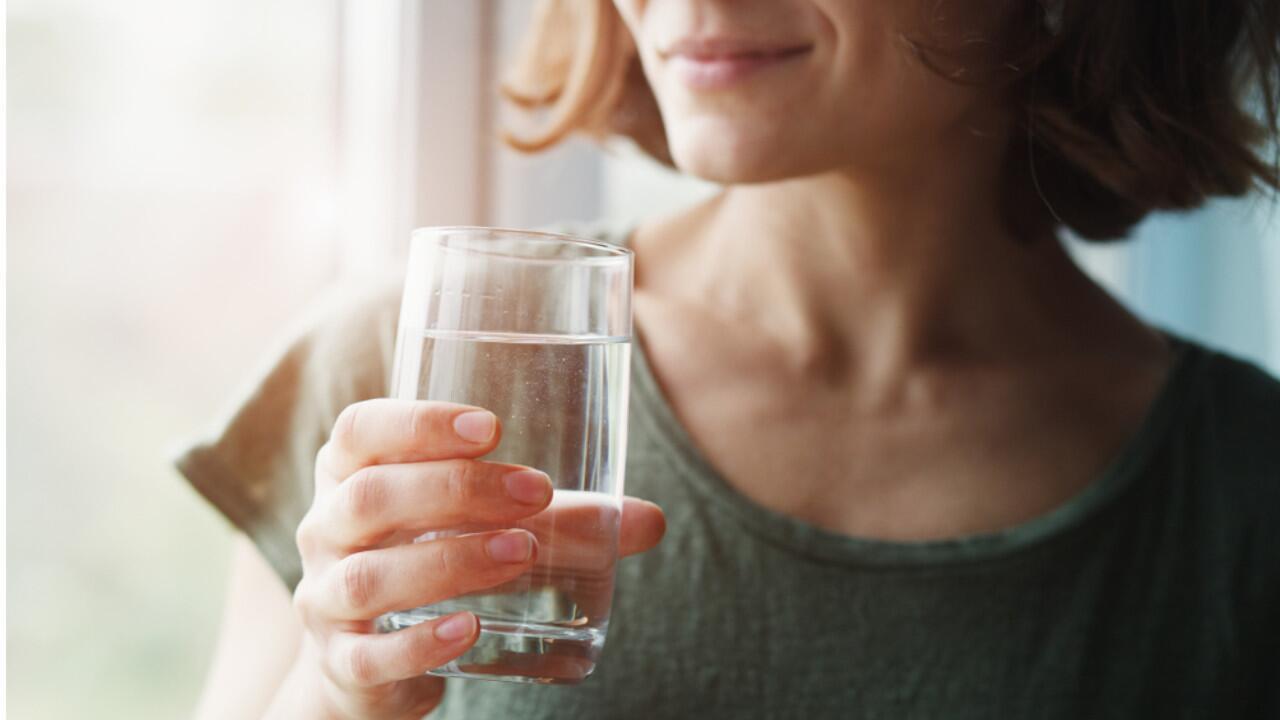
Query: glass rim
<point x="609" y="254"/>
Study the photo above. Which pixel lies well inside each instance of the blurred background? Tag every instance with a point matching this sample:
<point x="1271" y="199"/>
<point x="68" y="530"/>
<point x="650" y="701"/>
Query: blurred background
<point x="184" y="176"/>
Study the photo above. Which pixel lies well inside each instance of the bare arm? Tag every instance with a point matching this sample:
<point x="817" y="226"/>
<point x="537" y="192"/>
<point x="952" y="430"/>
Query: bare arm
<point x="257" y="643"/>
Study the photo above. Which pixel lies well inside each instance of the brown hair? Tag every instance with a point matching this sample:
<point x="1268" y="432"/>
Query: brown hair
<point x="1124" y="107"/>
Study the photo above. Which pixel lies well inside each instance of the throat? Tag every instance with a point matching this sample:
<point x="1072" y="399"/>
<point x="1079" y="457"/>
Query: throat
<point x="834" y="300"/>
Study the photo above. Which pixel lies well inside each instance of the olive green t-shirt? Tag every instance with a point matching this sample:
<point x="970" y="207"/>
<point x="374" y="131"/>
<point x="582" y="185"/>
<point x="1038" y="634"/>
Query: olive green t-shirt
<point x="1153" y="593"/>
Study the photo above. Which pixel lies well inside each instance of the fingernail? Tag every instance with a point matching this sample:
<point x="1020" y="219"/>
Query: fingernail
<point x="476" y="426"/>
<point x="510" y="547"/>
<point x="456" y="627"/>
<point x="528" y="486"/>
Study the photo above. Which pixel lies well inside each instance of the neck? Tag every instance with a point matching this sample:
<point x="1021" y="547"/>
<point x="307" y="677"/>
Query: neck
<point x="874" y="273"/>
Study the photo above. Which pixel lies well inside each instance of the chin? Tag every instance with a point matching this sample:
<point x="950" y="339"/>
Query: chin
<point x="734" y="155"/>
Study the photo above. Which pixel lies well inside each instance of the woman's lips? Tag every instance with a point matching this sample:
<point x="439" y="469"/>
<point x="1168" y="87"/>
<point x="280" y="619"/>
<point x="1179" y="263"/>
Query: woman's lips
<point x="715" y="68"/>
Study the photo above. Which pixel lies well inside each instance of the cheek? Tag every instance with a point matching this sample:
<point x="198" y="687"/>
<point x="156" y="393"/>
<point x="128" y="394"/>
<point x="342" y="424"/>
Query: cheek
<point x="881" y="91"/>
<point x="867" y="81"/>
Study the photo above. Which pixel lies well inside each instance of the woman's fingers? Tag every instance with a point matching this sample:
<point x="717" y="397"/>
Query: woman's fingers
<point x="381" y="499"/>
<point x="376" y="432"/>
<point x="576" y="530"/>
<point x="393" y="469"/>
<point x="575" y="534"/>
<point x="643" y="525"/>
<point x="361" y="660"/>
<point x="379" y="502"/>
<point x="366" y="584"/>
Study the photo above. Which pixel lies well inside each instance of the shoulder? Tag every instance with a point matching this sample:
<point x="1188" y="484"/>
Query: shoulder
<point x="256" y="463"/>
<point x="1228" y="451"/>
<point x="354" y="313"/>
<point x="339" y="350"/>
<point x="1238" y="415"/>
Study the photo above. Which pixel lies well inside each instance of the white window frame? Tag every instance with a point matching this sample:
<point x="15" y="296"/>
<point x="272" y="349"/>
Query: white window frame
<point x="418" y="130"/>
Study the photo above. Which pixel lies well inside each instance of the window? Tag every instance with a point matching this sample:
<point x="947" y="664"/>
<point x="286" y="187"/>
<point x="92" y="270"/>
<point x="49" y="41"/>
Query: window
<point x="1212" y="275"/>
<point x="171" y="206"/>
<point x="183" y="179"/>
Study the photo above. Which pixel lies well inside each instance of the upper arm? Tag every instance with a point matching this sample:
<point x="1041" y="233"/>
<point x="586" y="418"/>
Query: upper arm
<point x="257" y="643"/>
<point x="258" y="470"/>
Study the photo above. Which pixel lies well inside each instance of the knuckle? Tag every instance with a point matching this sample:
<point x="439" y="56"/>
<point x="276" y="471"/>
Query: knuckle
<point x="358" y="579"/>
<point x="307" y="607"/>
<point x="307" y="536"/>
<point x="460" y="482"/>
<point x="324" y="459"/>
<point x="366" y="493"/>
<point x="301" y="601"/>
<point x="448" y="559"/>
<point x="302" y="536"/>
<point x="344" y="428"/>
<point x="422" y="422"/>
<point x="358" y="663"/>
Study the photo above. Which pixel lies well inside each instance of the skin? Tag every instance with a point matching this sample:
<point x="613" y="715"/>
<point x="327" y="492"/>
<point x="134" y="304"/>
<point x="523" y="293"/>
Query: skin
<point x="865" y="328"/>
<point x="865" y="325"/>
<point x="390" y="470"/>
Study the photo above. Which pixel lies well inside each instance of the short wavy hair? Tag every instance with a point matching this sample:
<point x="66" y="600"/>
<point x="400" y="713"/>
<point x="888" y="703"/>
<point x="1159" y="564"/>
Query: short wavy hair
<point x="1122" y="108"/>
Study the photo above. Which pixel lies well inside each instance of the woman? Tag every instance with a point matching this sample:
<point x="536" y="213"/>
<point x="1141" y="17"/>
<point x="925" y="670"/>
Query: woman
<point x="912" y="461"/>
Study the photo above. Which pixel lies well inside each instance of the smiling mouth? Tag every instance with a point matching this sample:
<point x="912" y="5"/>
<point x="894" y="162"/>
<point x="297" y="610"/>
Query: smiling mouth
<point x="718" y="64"/>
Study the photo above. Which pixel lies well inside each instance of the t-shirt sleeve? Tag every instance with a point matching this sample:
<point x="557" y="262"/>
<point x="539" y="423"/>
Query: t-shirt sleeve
<point x="257" y="466"/>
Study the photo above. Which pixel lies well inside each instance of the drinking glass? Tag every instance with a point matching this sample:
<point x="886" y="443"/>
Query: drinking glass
<point x="535" y="327"/>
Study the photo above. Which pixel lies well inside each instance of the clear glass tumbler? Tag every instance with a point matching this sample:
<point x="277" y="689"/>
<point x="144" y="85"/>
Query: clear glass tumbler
<point x="535" y="327"/>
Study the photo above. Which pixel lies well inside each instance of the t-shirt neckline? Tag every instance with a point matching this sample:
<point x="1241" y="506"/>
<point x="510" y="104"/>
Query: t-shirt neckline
<point x="810" y="539"/>
<point x="807" y="539"/>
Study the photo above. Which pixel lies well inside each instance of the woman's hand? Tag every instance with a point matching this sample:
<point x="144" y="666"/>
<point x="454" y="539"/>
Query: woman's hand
<point x="391" y="470"/>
